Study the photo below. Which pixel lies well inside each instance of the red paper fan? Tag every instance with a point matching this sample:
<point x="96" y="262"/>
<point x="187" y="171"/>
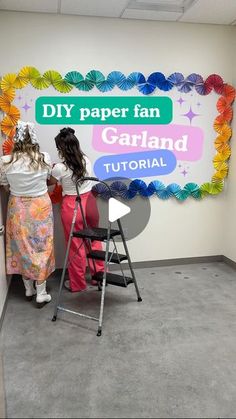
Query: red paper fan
<point x="215" y="81"/>
<point x="7" y="146"/>
<point x="229" y="93"/>
<point x="56" y="194"/>
<point x="228" y="114"/>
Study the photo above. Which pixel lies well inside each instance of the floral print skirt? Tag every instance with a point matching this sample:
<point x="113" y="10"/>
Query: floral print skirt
<point x="29" y="237"/>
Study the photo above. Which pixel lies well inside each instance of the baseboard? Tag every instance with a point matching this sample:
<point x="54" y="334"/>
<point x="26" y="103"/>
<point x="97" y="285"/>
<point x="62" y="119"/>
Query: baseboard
<point x="229" y="262"/>
<point x="170" y="262"/>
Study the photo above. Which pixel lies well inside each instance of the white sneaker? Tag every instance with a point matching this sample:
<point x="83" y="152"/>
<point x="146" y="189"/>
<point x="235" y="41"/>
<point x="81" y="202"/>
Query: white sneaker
<point x="42" y="296"/>
<point x="30" y="290"/>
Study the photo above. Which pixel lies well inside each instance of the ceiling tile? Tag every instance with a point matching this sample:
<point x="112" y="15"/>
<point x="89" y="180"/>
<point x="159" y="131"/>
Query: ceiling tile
<point x="211" y="11"/>
<point x="46" y="6"/>
<point x="150" y="15"/>
<point x="106" y="8"/>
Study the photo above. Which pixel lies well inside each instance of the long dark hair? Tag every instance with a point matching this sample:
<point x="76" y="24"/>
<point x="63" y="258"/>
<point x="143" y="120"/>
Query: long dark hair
<point x="32" y="150"/>
<point x="70" y="152"/>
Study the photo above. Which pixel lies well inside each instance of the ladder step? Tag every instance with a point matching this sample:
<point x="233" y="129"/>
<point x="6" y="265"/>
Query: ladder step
<point x="113" y="279"/>
<point x="98" y="233"/>
<point x="101" y="255"/>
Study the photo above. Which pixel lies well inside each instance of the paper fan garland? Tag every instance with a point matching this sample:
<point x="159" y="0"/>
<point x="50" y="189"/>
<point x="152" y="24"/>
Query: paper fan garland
<point x="147" y="86"/>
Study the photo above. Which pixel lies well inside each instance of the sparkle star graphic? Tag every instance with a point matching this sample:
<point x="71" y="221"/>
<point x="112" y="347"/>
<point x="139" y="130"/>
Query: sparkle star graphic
<point x="26" y="107"/>
<point x="19" y="97"/>
<point x="180" y="100"/>
<point x="184" y="172"/>
<point x="190" y="115"/>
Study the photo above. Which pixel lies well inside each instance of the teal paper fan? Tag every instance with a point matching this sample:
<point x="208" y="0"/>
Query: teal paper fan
<point x="73" y="77"/>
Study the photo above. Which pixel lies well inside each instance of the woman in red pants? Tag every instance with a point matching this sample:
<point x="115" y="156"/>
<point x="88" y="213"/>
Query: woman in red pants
<point x="75" y="165"/>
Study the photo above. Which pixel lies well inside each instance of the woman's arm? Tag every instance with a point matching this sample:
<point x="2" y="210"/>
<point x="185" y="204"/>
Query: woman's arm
<point x="52" y="181"/>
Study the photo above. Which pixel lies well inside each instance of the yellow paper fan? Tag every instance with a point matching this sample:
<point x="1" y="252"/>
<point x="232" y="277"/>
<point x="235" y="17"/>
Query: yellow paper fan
<point x="222" y="168"/>
<point x="7" y="126"/>
<point x="217" y="177"/>
<point x="8" y="81"/>
<point x="9" y="94"/>
<point x="20" y="82"/>
<point x="222" y="147"/>
<point x="28" y="73"/>
<point x="218" y="160"/>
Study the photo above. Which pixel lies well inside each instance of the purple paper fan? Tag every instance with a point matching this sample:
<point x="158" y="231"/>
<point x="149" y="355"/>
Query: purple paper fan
<point x="176" y="78"/>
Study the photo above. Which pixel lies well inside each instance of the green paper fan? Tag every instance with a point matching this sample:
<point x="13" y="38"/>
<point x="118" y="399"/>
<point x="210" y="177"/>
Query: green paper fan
<point x="62" y="86"/>
<point x="211" y="188"/>
<point x="193" y="189"/>
<point x="52" y="76"/>
<point x="40" y="83"/>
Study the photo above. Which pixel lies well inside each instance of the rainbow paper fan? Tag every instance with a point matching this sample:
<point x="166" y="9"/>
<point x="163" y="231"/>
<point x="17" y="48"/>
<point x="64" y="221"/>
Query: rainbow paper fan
<point x="8" y="81"/>
<point x="7" y="146"/>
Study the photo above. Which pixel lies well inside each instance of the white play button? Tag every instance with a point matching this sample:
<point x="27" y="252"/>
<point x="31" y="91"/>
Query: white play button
<point x="117" y="210"/>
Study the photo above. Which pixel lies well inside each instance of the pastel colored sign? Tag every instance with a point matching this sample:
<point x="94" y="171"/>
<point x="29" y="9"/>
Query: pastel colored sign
<point x="145" y="164"/>
<point x="185" y="142"/>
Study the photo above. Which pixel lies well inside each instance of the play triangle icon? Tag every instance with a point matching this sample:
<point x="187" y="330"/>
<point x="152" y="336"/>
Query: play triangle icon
<point x="116" y="209"/>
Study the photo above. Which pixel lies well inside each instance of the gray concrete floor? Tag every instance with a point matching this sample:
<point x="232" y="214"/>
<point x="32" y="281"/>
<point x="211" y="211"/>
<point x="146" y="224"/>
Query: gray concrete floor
<point x="171" y="356"/>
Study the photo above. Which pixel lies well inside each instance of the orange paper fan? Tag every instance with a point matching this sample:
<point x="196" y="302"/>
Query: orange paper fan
<point x="229" y="93"/>
<point x="7" y="126"/>
<point x="228" y="114"/>
<point x="14" y="114"/>
<point x="221" y="104"/>
<point x="9" y="94"/>
<point x="217" y="177"/>
<point x="7" y="146"/>
<point x="218" y="124"/>
<point x="222" y="147"/>
<point x="5" y="104"/>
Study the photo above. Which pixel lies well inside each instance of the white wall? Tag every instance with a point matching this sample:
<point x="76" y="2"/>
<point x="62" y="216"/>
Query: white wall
<point x="64" y="43"/>
<point x="229" y="236"/>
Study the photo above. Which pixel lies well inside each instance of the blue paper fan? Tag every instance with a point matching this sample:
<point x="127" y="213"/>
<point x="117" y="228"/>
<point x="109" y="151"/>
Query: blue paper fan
<point x="73" y="77"/>
<point x="146" y="88"/>
<point x="164" y="194"/>
<point x="105" y="86"/>
<point x="133" y="79"/>
<point x="102" y="190"/>
<point x="193" y="189"/>
<point x="159" y="80"/>
<point x="176" y="78"/>
<point x="119" y="188"/>
<point x="131" y="193"/>
<point x="84" y="85"/>
<point x="116" y="77"/>
<point x="174" y="188"/>
<point x="155" y="186"/>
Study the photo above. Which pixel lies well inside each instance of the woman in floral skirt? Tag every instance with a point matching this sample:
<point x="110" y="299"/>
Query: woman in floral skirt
<point x="29" y="230"/>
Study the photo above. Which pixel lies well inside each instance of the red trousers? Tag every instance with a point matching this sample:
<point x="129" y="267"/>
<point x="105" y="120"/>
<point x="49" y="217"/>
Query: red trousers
<point x="77" y="255"/>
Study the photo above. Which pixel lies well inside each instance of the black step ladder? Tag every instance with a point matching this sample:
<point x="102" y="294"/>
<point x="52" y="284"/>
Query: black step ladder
<point x="106" y="235"/>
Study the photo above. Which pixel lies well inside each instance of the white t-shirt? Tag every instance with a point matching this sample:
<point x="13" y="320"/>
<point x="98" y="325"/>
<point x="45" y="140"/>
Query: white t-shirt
<point x="64" y="175"/>
<point x="23" y="179"/>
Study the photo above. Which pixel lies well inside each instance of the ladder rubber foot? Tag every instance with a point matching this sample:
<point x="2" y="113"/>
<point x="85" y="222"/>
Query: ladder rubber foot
<point x="99" y="333"/>
<point x="139" y="299"/>
<point x="54" y="318"/>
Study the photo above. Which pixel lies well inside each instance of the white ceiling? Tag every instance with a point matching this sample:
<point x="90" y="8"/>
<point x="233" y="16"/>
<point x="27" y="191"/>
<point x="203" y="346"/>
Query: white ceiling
<point x="222" y="12"/>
